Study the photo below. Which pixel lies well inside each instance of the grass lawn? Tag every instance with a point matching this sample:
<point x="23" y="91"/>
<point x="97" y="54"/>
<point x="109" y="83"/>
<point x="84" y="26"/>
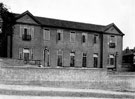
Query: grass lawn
<point x="66" y="78"/>
<point x="62" y="94"/>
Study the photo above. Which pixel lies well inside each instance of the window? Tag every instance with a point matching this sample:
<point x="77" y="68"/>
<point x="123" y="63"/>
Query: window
<point x="46" y="34"/>
<point x="26" y="54"/>
<point x="111" y="59"/>
<point x="46" y="57"/>
<point x="112" y="42"/>
<point x="59" y="59"/>
<point x="72" y="37"/>
<point x="95" y="60"/>
<point x="26" y="35"/>
<point x="84" y="37"/>
<point x="72" y="59"/>
<point x="26" y="32"/>
<point x="112" y="39"/>
<point x="60" y="35"/>
<point x="95" y="38"/>
<point x="84" y="60"/>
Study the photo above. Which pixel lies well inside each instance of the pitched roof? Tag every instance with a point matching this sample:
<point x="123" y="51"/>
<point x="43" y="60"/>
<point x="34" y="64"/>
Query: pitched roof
<point x="70" y="24"/>
<point x="66" y="24"/>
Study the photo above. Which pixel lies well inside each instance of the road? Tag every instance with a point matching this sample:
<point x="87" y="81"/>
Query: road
<point x="45" y="97"/>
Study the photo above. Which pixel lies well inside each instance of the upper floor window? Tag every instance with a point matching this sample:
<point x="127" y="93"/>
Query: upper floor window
<point x="60" y="35"/>
<point x="26" y="32"/>
<point x="46" y="34"/>
<point x="72" y="36"/>
<point x="95" y="38"/>
<point x="84" y="37"/>
<point x="112" y="39"/>
<point x="112" y="42"/>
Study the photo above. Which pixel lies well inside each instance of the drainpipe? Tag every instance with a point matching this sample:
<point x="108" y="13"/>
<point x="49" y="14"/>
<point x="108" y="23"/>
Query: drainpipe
<point x="101" y="51"/>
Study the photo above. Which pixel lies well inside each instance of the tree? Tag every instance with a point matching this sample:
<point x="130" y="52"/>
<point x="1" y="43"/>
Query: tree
<point x="8" y="20"/>
<point x="7" y="29"/>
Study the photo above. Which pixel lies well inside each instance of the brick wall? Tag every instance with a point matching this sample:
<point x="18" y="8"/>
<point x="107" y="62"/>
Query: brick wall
<point x="38" y="45"/>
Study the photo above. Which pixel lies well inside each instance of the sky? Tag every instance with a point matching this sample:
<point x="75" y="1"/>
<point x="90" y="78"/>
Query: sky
<point x="102" y="12"/>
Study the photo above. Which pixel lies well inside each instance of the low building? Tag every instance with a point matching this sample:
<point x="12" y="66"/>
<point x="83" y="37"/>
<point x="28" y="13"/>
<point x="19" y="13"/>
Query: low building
<point x="128" y="59"/>
<point x="60" y="43"/>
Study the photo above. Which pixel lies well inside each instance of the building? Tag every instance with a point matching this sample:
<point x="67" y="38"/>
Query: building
<point x="60" y="43"/>
<point x="128" y="59"/>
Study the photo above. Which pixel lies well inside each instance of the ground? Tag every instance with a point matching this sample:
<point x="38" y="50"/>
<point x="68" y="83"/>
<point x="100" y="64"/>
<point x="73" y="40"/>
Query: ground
<point x="120" y="83"/>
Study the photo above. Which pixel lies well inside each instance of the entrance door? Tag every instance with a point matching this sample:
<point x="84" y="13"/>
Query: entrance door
<point x="46" y="57"/>
<point x="26" y="54"/>
<point x="72" y="59"/>
<point x="95" y="60"/>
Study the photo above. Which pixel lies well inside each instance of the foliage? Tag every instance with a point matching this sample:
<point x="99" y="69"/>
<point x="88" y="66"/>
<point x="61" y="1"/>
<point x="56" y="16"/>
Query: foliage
<point x="8" y="20"/>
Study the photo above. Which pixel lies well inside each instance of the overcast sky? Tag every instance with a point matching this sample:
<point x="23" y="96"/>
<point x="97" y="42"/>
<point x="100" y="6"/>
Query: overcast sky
<point x="103" y="12"/>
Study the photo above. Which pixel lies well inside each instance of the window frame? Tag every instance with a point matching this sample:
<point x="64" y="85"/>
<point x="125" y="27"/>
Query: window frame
<point x="46" y="34"/>
<point x="59" y="35"/>
<point x="95" y="40"/>
<point x="111" y="57"/>
<point x="72" y="36"/>
<point x="84" y="55"/>
<point x="95" y="58"/>
<point x="28" y="35"/>
<point x="112" y="40"/>
<point x="61" y="55"/>
<point x="84" y="36"/>
<point x="72" y="54"/>
<point x="28" y="49"/>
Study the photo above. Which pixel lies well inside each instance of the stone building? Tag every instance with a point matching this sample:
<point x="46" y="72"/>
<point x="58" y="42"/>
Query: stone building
<point x="60" y="43"/>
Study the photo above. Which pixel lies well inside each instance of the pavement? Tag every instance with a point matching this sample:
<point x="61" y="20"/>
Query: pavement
<point x="62" y="92"/>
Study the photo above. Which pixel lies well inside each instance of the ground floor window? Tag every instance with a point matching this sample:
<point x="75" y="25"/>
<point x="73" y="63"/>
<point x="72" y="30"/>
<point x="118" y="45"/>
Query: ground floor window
<point x="72" y="59"/>
<point x="111" y="59"/>
<point x="84" y="60"/>
<point x="59" y="58"/>
<point x="46" y="57"/>
<point x="95" y="60"/>
<point x="26" y="54"/>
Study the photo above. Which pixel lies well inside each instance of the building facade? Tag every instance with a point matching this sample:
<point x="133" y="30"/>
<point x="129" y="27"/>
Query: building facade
<point x="59" y="43"/>
<point x="128" y="59"/>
